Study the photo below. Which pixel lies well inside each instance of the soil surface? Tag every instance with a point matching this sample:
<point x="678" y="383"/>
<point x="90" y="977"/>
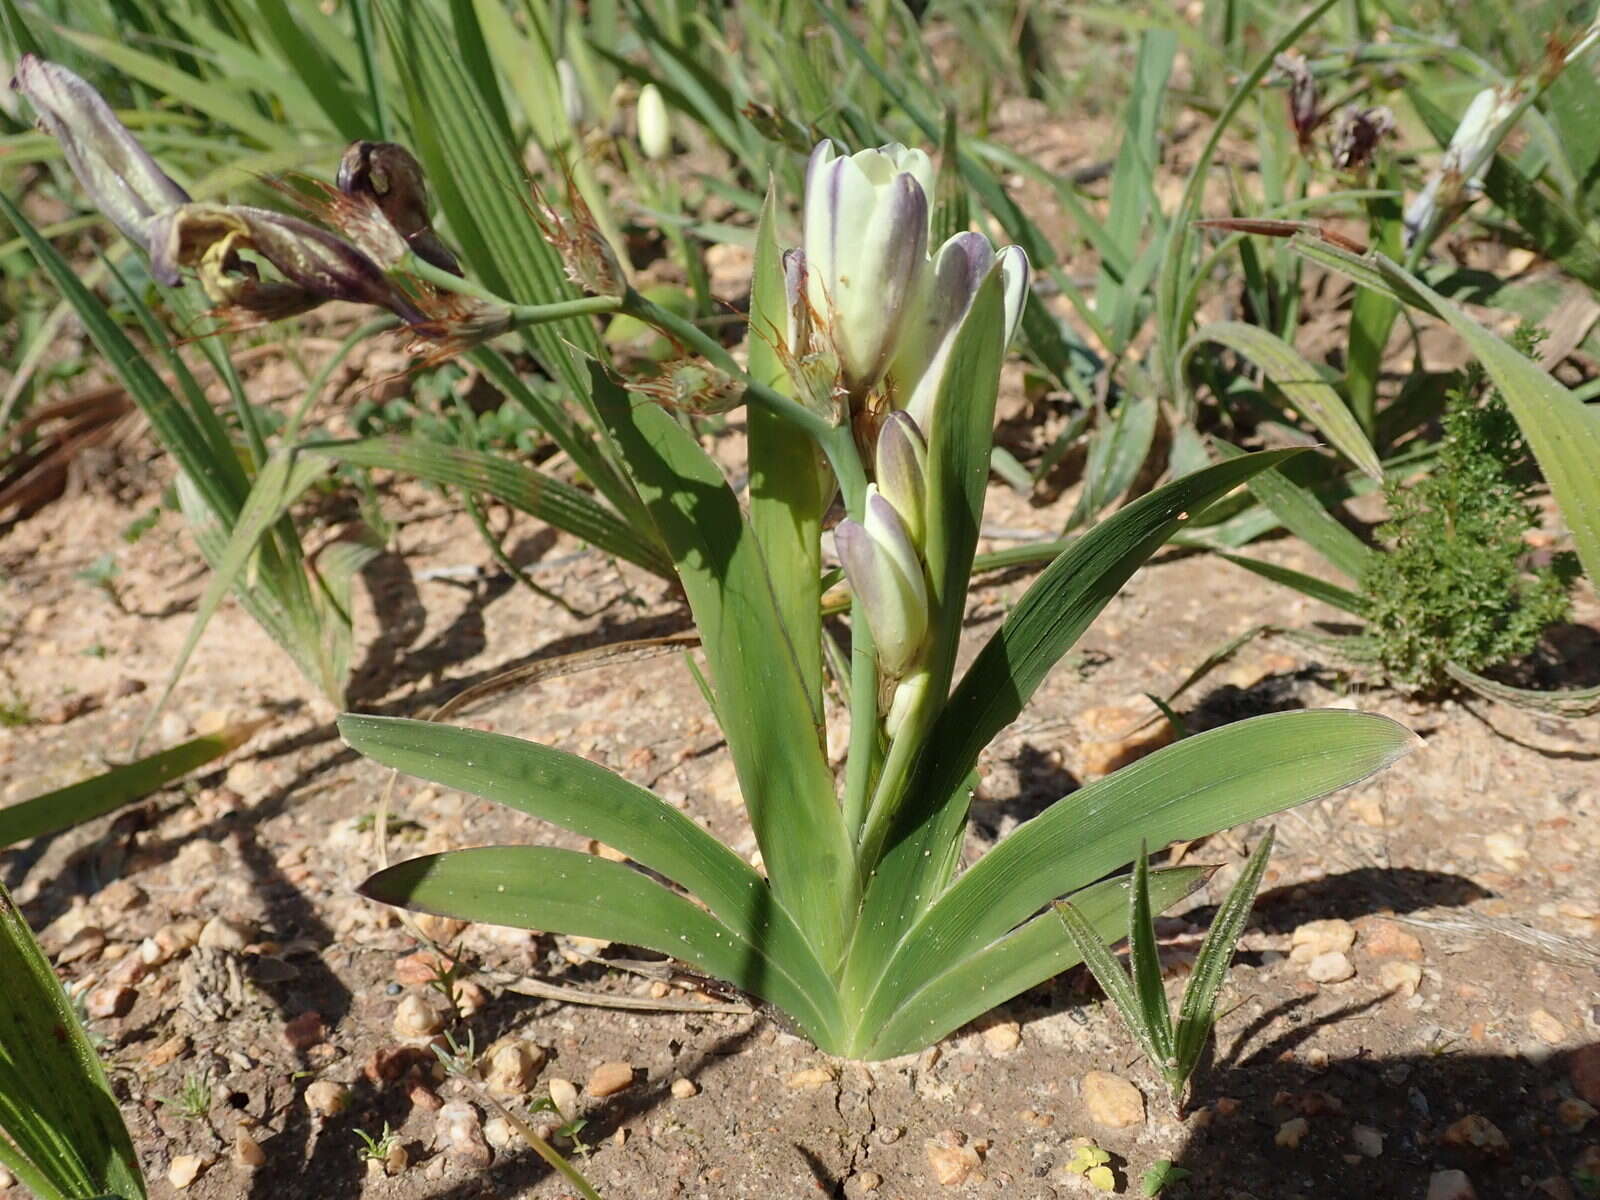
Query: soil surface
<point x="1417" y="991"/>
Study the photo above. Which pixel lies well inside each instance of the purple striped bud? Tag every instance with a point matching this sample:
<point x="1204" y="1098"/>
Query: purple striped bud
<point x="885" y="573"/>
<point x="948" y="289"/>
<point x="121" y="179"/>
<point x="866" y="239"/>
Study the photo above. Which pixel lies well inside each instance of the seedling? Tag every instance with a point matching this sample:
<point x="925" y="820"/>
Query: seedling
<point x="1141" y="1000"/>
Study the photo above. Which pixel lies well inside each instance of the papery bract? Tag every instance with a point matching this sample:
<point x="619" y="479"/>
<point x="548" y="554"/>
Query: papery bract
<point x="866" y="237"/>
<point x="120" y="177"/>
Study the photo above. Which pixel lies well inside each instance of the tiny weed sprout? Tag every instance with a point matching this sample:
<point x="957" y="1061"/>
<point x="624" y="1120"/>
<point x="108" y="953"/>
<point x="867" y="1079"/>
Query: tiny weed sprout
<point x="1139" y="995"/>
<point x="872" y="371"/>
<point x="377" y="1148"/>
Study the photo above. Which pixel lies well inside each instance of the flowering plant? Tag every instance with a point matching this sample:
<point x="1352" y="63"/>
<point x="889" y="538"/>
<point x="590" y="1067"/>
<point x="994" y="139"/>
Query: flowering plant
<point x="886" y="360"/>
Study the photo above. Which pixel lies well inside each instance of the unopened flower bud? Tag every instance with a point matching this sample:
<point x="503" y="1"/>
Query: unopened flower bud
<point x="390" y="177"/>
<point x="655" y="124"/>
<point x="866" y="236"/>
<point x="1451" y="183"/>
<point x="958" y="271"/>
<point x="776" y="127"/>
<point x="315" y="264"/>
<point x="902" y="470"/>
<point x="886" y="576"/>
<point x="121" y="179"/>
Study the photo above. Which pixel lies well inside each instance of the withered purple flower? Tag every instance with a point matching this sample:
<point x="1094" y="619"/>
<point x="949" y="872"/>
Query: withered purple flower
<point x="388" y="177"/>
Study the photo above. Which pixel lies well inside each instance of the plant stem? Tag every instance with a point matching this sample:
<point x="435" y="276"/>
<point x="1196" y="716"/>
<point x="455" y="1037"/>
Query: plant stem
<point x="521" y="314"/>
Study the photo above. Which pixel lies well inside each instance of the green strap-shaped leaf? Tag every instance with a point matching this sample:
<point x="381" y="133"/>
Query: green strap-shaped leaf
<point x="953" y="994"/>
<point x="787" y="492"/>
<point x="1109" y="974"/>
<point x="1144" y="960"/>
<point x="76" y="803"/>
<point x="56" y="1108"/>
<point x="761" y="701"/>
<point x="1312" y="396"/>
<point x="1562" y="432"/>
<point x="589" y="800"/>
<point x="530" y="491"/>
<point x="1204" y="783"/>
<point x="563" y="891"/>
<point x="1042" y="627"/>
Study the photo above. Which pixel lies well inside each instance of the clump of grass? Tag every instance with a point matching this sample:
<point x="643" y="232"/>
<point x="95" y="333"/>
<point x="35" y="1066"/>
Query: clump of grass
<point x="1454" y="586"/>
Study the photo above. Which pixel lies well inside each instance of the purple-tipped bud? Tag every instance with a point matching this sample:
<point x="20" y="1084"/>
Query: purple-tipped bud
<point x="389" y="176"/>
<point x="1356" y="135"/>
<point x="886" y="575"/>
<point x="121" y="179"/>
<point x="1304" y="111"/>
<point x="902" y="470"/>
<point x="949" y="288"/>
<point x="316" y="265"/>
<point x="866" y="239"/>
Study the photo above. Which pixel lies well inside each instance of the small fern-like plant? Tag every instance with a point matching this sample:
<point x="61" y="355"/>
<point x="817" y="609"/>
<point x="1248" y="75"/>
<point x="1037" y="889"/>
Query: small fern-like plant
<point x="1454" y="585"/>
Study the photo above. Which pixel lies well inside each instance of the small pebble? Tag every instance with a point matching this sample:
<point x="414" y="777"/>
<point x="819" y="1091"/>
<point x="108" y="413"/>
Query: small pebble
<point x="184" y="1170"/>
<point x="247" y="1152"/>
<point x="511" y="1067"/>
<point x="223" y="933"/>
<point x="1002" y="1037"/>
<point x="608" y="1079"/>
<point x="1292" y="1132"/>
<point x="950" y="1158"/>
<point x="1546" y="1027"/>
<point x="459" y="1131"/>
<point x="682" y="1089"/>
<point x="86" y="943"/>
<point x="1112" y="1101"/>
<point x="7" y="1179"/>
<point x="305" y="1031"/>
<point x="1316" y="938"/>
<point x="1573" y="1114"/>
<point x="416" y="1020"/>
<point x="862" y="1183"/>
<point x="1508" y="851"/>
<point x="397" y="1160"/>
<point x="1477" y="1132"/>
<point x="499" y="1133"/>
<point x="1583" y="1069"/>
<point x="1331" y="967"/>
<point x="1450" y="1185"/>
<point x="564" y="1095"/>
<point x="810" y="1077"/>
<point x="1385" y="939"/>
<point x="440" y="930"/>
<point x="1402" y="977"/>
<point x="1367" y="1141"/>
<point x="120" y="896"/>
<point x="111" y="1000"/>
<point x="326" y="1098"/>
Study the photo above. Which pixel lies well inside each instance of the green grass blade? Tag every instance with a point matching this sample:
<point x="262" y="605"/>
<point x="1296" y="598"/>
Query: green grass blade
<point x="525" y="489"/>
<point x="1313" y="397"/>
<point x="956" y="992"/>
<point x="1204" y="783"/>
<point x="1109" y="974"/>
<point x="281" y="482"/>
<point x="1306" y="517"/>
<point x="563" y="891"/>
<point x="1199" y="1008"/>
<point x="1144" y="960"/>
<point x="56" y="1104"/>
<point x="1566" y="702"/>
<point x="458" y="127"/>
<point x="1307" y="585"/>
<point x="777" y="747"/>
<point x="219" y="102"/>
<point x="76" y="803"/>
<point x="1116" y="453"/>
<point x="316" y="71"/>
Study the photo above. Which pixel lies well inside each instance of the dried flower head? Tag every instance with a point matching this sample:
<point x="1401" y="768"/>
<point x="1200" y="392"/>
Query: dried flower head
<point x="692" y="385"/>
<point x="1304" y="113"/>
<point x="388" y="177"/>
<point x="590" y="261"/>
